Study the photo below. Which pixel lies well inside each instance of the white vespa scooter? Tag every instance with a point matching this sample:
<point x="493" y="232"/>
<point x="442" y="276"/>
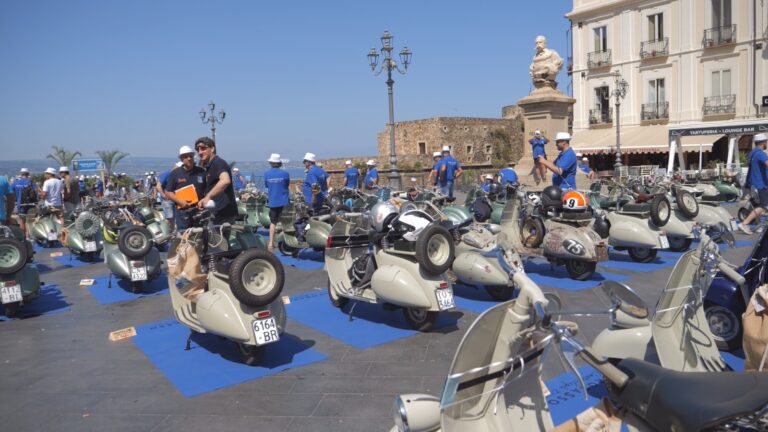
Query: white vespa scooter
<point x="399" y="261"/>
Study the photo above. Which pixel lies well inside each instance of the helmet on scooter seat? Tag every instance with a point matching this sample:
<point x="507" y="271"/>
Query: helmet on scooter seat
<point x="493" y="189"/>
<point x="574" y="201"/>
<point x="382" y="214"/>
<point x="552" y="197"/>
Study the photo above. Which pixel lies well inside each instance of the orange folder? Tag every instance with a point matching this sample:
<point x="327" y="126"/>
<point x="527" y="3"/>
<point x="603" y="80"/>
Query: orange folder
<point x="187" y="193"/>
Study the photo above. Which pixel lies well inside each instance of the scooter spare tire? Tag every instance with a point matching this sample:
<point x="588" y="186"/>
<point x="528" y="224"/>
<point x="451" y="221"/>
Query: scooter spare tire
<point x="256" y="277"/>
<point x="135" y="241"/>
<point x="687" y="203"/>
<point x="743" y="213"/>
<point x="87" y="224"/>
<point x="13" y="255"/>
<point x="661" y="210"/>
<point x="532" y="232"/>
<point x="435" y="250"/>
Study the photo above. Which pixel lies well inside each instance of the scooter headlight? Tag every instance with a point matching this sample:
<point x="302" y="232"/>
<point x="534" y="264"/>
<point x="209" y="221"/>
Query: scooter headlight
<point x="417" y="413"/>
<point x="401" y="415"/>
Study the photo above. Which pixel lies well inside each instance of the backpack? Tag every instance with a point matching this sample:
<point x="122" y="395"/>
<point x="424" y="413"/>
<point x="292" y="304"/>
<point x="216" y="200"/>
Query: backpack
<point x="28" y="194"/>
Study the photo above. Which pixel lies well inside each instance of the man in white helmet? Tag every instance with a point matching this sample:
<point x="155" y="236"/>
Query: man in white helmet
<point x="435" y="173"/>
<point x="757" y="180"/>
<point x="564" y="167"/>
<point x="51" y="193"/>
<point x="181" y="177"/>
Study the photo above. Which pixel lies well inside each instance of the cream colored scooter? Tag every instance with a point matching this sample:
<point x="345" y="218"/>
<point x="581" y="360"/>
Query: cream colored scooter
<point x="494" y="383"/>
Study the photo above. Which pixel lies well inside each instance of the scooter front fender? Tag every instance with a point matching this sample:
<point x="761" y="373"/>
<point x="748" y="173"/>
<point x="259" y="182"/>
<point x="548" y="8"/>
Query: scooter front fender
<point x="622" y="343"/>
<point x="218" y="314"/>
<point x="396" y="285"/>
<point x="317" y="233"/>
<point x="710" y="216"/>
<point x="677" y="227"/>
<point x="120" y="265"/>
<point x="629" y="231"/>
<point x="42" y="227"/>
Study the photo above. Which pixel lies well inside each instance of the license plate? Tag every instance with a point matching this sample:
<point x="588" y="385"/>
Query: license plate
<point x="138" y="271"/>
<point x="734" y="225"/>
<point x="445" y="299"/>
<point x="90" y="246"/>
<point x="602" y="253"/>
<point x="10" y="292"/>
<point x="664" y="242"/>
<point x="52" y="236"/>
<point x="265" y="331"/>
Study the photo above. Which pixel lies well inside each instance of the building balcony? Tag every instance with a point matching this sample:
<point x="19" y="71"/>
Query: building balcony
<point x="719" y="105"/>
<point x="718" y="36"/>
<point x="654" y="48"/>
<point x="600" y="117"/>
<point x="597" y="59"/>
<point x="655" y="111"/>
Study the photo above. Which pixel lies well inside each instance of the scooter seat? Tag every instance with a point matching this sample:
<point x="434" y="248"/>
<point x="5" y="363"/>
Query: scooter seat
<point x="689" y="401"/>
<point x="575" y="216"/>
<point x="643" y="197"/>
<point x="636" y="208"/>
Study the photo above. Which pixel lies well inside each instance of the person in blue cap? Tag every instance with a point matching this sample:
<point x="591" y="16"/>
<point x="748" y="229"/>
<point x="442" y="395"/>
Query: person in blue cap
<point x="277" y="181"/>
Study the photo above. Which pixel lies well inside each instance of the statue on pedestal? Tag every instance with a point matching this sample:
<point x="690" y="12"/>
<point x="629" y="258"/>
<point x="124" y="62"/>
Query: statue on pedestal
<point x="546" y="65"/>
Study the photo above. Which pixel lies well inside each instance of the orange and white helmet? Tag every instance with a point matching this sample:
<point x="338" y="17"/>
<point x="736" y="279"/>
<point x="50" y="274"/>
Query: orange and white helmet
<point x="574" y="201"/>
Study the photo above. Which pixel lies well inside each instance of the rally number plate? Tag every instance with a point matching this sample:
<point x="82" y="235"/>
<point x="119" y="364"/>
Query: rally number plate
<point x="10" y="292"/>
<point x="138" y="271"/>
<point x="664" y="242"/>
<point x="734" y="225"/>
<point x="445" y="299"/>
<point x="90" y="246"/>
<point x="265" y="331"/>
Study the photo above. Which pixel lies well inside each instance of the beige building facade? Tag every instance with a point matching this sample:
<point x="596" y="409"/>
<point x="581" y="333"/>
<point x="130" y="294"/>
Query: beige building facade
<point x="689" y="65"/>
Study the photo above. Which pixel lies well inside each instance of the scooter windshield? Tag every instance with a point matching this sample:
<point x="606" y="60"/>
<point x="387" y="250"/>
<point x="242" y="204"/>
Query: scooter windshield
<point x="489" y="359"/>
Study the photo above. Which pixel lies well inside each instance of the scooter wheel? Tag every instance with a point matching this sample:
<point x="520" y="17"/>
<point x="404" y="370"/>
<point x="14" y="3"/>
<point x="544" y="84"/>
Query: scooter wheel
<point x="256" y="277"/>
<point x="135" y="241"/>
<point x="725" y="326"/>
<point x="12" y="309"/>
<point x="336" y="300"/>
<point x="687" y="203"/>
<point x="435" y="250"/>
<point x="13" y="255"/>
<point x="679" y="244"/>
<point x="500" y="292"/>
<point x="285" y="249"/>
<point x="642" y="254"/>
<point x="580" y="270"/>
<point x="742" y="214"/>
<point x="252" y="354"/>
<point x="420" y="319"/>
<point x="532" y="232"/>
<point x="660" y="210"/>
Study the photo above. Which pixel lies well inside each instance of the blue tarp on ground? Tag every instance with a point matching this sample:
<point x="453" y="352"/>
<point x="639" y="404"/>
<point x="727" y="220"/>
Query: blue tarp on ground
<point x="121" y="289"/>
<point x="307" y="260"/>
<point x="49" y="301"/>
<point x="71" y="260"/>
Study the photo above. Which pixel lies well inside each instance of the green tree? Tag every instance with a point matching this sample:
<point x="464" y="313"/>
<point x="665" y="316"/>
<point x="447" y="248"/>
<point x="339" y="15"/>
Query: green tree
<point x="63" y="156"/>
<point x="501" y="141"/>
<point x="110" y="158"/>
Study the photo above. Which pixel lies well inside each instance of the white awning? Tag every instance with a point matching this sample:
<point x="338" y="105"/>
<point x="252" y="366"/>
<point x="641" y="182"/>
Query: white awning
<point x="636" y="139"/>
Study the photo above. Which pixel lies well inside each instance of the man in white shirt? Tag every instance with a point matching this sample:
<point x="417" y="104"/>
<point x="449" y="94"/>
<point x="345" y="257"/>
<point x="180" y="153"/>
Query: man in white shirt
<point x="52" y="192"/>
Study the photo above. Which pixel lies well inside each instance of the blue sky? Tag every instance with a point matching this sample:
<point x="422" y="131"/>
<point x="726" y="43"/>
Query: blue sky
<point x="291" y="75"/>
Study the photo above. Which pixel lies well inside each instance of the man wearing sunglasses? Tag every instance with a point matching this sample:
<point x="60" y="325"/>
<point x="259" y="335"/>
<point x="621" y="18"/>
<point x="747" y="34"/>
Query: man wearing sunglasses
<point x="218" y="182"/>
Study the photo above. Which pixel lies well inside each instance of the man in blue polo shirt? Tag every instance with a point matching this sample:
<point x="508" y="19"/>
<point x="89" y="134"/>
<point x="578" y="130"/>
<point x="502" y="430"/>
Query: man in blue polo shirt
<point x="507" y="176"/>
<point x="434" y="175"/>
<point x="757" y="180"/>
<point x="537" y="148"/>
<point x="6" y="200"/>
<point x="238" y="181"/>
<point x="351" y="175"/>
<point x="277" y="181"/>
<point x="450" y="171"/>
<point x="371" y="175"/>
<point x="315" y="184"/>
<point x="564" y="167"/>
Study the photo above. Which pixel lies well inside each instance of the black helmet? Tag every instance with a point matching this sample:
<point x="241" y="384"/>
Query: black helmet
<point x="552" y="197"/>
<point x="493" y="189"/>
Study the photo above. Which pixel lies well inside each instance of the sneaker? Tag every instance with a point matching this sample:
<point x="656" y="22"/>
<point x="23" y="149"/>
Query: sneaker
<point x="745" y="229"/>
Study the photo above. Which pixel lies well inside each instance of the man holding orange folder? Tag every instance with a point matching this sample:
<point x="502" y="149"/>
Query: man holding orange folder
<point x="185" y="186"/>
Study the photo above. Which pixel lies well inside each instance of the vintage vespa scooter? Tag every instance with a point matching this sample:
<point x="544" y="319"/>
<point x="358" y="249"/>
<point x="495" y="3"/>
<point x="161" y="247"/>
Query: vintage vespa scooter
<point x="45" y="227"/>
<point x="84" y="237"/>
<point x="495" y="379"/>
<point x="129" y="251"/>
<point x="226" y="290"/>
<point x="399" y="260"/>
<point x="300" y="230"/>
<point x="19" y="276"/>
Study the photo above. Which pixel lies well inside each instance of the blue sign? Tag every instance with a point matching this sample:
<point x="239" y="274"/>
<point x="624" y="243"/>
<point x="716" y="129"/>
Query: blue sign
<point x="87" y="165"/>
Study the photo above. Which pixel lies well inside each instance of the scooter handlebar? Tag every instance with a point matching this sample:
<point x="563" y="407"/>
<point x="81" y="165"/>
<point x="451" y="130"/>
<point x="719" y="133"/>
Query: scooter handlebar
<point x="729" y="272"/>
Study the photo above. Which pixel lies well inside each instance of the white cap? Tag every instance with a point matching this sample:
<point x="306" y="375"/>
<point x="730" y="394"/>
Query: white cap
<point x="185" y="150"/>
<point x="179" y="164"/>
<point x="151" y="173"/>
<point x="24" y="171"/>
<point x="563" y="136"/>
<point x="309" y="157"/>
<point x="50" y="170"/>
<point x="436" y="154"/>
<point x="236" y="169"/>
<point x="585" y="158"/>
<point x="82" y="177"/>
<point x="537" y="132"/>
<point x="489" y="176"/>
<point x="63" y="169"/>
<point x="760" y="137"/>
<point x="349" y="162"/>
<point x="371" y="162"/>
<point x="274" y="158"/>
<point x="446" y="148"/>
<point x="578" y="154"/>
<point x="146" y="173"/>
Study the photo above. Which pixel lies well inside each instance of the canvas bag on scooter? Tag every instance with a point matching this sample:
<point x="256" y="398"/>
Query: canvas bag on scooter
<point x="755" y="324"/>
<point x="186" y="265"/>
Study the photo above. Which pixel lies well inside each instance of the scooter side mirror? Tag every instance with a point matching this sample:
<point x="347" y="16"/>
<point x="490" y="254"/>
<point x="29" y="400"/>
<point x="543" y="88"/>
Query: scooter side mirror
<point x="625" y="298"/>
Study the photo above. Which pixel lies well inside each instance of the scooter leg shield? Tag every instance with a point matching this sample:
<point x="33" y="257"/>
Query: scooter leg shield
<point x="119" y="264"/>
<point x="622" y="343"/>
<point x="678" y="226"/>
<point x="75" y="241"/>
<point x="398" y="286"/>
<point x="708" y="215"/>
<point x="152" y="260"/>
<point x="317" y="233"/>
<point x="219" y="315"/>
<point x="474" y="269"/>
<point x="629" y="231"/>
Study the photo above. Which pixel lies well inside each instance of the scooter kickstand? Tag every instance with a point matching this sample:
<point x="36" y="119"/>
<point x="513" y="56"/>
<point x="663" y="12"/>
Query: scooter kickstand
<point x="109" y="285"/>
<point x="188" y="345"/>
<point x="351" y="310"/>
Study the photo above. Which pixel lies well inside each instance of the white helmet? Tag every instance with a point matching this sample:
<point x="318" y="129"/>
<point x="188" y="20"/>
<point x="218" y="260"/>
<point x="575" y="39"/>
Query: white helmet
<point x="185" y="150"/>
<point x="534" y="198"/>
<point x="382" y="214"/>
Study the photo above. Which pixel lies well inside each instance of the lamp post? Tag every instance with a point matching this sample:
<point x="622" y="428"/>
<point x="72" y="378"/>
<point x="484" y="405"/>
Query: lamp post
<point x="212" y="118"/>
<point x="389" y="64"/>
<point x="619" y="92"/>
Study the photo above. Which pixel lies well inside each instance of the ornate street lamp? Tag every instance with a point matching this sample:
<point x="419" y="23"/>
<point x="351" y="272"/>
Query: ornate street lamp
<point x="212" y="118"/>
<point x="619" y="92"/>
<point x="389" y="64"/>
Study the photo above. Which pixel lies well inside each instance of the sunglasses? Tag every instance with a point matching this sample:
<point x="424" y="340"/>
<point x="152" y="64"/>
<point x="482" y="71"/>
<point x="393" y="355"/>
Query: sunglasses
<point x="201" y="147"/>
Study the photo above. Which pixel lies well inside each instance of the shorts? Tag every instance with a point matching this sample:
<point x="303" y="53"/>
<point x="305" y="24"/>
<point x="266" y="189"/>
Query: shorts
<point x="536" y="157"/>
<point x="274" y="214"/>
<point x="762" y="198"/>
<point x="169" y="209"/>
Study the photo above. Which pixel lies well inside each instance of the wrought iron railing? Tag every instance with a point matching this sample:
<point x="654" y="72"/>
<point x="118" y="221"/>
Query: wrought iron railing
<point x="597" y="59"/>
<point x="725" y="104"/>
<point x="655" y="111"/>
<point x="717" y="36"/>
<point x="600" y="116"/>
<point x="654" y="48"/>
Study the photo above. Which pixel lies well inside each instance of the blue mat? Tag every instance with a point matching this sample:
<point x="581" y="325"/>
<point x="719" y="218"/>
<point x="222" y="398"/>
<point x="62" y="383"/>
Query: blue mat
<point x="307" y="260"/>
<point x="212" y="362"/>
<point x="38" y="248"/>
<point x="543" y="273"/>
<point x="75" y="261"/>
<point x="735" y="359"/>
<point x="49" y="301"/>
<point x="471" y="298"/>
<point x="371" y="325"/>
<point x="566" y="398"/>
<point x="121" y="289"/>
<point x="43" y="268"/>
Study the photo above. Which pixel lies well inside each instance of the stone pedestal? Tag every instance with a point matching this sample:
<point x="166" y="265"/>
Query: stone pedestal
<point x="545" y="109"/>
